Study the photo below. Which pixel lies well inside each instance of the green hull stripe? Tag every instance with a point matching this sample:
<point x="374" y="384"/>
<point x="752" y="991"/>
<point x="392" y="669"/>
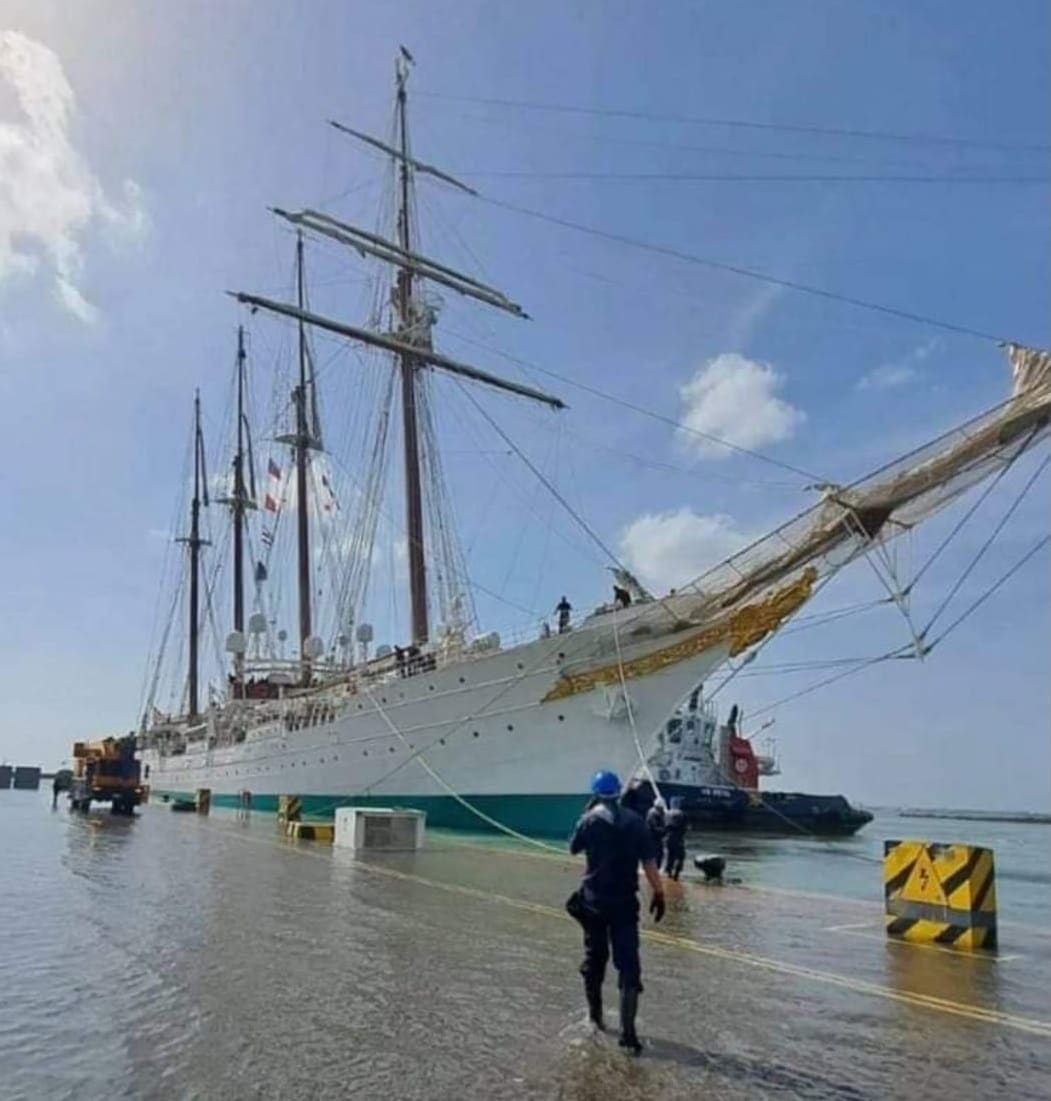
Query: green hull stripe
<point x="536" y="815"/>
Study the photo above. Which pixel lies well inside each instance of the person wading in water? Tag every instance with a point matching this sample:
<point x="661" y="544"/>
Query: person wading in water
<point x="615" y="841"/>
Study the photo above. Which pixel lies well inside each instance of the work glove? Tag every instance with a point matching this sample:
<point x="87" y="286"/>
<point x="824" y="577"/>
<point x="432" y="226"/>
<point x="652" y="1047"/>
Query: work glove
<point x="657" y="907"/>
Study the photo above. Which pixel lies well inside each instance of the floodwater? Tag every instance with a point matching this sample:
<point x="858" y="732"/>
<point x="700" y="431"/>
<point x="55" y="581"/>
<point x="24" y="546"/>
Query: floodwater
<point x="180" y="957"/>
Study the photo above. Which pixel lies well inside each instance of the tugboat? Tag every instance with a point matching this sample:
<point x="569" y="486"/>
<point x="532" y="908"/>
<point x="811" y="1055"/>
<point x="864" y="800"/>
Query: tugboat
<point x="715" y="772"/>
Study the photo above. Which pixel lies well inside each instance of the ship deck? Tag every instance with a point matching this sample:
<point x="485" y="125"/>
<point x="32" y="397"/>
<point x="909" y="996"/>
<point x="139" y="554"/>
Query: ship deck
<point x="452" y="972"/>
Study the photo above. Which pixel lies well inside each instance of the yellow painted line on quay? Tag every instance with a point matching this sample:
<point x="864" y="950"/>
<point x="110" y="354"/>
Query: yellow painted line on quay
<point x="670" y="940"/>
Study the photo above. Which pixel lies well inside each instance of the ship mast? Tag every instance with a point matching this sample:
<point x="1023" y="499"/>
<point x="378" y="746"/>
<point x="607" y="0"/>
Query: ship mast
<point x="407" y="319"/>
<point x="195" y="542"/>
<point x="303" y="443"/>
<point x="408" y="341"/>
<point x="239" y="503"/>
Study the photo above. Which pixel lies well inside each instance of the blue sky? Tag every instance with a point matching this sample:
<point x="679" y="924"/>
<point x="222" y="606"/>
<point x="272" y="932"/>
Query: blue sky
<point x="131" y="200"/>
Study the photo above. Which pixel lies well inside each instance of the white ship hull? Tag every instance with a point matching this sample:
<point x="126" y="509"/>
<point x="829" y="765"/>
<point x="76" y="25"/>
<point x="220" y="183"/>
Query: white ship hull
<point x="499" y="733"/>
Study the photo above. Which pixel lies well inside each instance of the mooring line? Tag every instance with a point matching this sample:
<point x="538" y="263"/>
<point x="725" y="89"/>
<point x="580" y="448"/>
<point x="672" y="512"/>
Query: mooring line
<point x="729" y="955"/>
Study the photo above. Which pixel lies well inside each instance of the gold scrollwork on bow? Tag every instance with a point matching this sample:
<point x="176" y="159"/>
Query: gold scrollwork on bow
<point x="742" y="628"/>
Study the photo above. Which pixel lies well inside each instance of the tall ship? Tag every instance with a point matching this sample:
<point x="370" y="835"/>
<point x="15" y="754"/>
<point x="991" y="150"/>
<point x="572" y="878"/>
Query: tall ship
<point x="477" y="730"/>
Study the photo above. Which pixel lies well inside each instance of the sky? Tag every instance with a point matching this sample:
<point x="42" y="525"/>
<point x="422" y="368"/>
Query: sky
<point x="142" y="143"/>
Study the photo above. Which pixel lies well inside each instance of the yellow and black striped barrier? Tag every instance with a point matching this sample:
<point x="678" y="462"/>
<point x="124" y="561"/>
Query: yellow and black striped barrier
<point x="289" y="808"/>
<point x="940" y="894"/>
<point x="310" y="831"/>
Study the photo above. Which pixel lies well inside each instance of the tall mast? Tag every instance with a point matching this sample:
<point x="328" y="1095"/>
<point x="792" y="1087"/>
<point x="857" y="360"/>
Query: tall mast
<point x="238" y="504"/>
<point x="195" y="542"/>
<point x="407" y="320"/>
<point x="303" y="441"/>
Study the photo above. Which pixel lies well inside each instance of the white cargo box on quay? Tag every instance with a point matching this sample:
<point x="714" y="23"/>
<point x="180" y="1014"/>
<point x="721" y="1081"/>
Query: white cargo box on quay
<point x="380" y="829"/>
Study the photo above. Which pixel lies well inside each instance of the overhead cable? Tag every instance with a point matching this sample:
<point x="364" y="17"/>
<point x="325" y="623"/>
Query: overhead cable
<point x="754" y="177"/>
<point x="748" y="273"/>
<point x="743" y="124"/>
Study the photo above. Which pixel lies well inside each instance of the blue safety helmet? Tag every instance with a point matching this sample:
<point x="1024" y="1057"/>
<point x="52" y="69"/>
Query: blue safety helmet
<point x="605" y="784"/>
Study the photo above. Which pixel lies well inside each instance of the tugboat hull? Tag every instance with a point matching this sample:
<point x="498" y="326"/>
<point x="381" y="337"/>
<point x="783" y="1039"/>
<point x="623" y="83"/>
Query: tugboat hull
<point x="785" y="813"/>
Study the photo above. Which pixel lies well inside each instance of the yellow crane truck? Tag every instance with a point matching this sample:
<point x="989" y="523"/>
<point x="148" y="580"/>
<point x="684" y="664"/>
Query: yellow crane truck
<point x="106" y="772"/>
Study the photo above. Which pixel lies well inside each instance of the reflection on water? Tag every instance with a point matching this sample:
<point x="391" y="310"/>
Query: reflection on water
<point x="175" y="957"/>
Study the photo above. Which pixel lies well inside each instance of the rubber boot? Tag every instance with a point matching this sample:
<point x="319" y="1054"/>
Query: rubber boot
<point x="593" y="992"/>
<point x="629" y="1004"/>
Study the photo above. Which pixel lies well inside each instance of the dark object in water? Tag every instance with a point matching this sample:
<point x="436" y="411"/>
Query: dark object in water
<point x="712" y="867"/>
<point x="184" y="805"/>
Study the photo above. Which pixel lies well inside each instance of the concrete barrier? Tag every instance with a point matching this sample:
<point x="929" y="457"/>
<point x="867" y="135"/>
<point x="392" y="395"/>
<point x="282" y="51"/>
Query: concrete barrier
<point x="940" y="894"/>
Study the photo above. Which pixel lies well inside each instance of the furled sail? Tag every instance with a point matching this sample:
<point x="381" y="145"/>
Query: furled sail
<point x="851" y="519"/>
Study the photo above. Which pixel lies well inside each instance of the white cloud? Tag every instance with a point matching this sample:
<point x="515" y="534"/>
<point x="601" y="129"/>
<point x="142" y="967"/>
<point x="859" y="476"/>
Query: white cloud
<point x="49" y="196"/>
<point x="669" y="549"/>
<point x="899" y="372"/>
<point x="735" y="399"/>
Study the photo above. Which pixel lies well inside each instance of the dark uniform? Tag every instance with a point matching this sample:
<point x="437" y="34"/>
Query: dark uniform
<point x="675" y="825"/>
<point x="616" y="841"/>
<point x="655" y="824"/>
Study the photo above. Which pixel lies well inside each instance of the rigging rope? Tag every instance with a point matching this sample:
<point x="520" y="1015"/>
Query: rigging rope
<point x="552" y="489"/>
<point x="643" y="411"/>
<point x="1040" y="543"/>
<point x="988" y="543"/>
<point x="994" y="482"/>
<point x="643" y="762"/>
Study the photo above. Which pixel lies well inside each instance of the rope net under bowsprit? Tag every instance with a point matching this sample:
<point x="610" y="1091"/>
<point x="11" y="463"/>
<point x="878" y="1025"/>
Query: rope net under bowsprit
<point x="849" y="520"/>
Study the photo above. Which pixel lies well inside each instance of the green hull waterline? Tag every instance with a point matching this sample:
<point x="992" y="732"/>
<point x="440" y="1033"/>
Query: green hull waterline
<point x="535" y="815"/>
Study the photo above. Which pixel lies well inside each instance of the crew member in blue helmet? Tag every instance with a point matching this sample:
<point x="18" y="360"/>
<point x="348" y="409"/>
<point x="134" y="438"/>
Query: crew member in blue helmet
<point x="675" y="825"/>
<point x="615" y="841"/>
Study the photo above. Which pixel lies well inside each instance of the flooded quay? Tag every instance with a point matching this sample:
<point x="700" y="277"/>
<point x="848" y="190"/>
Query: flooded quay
<point x="177" y="956"/>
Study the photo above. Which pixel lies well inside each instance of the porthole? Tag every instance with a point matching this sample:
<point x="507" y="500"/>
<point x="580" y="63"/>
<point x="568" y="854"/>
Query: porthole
<point x="430" y="687"/>
<point x="392" y="749"/>
<point x="476" y="733"/>
<point x="510" y="726"/>
<point x="520" y="666"/>
<point x="560" y="655"/>
<point x="441" y="741"/>
<point x="561" y="718"/>
<point x="383" y="699"/>
<point x="463" y="680"/>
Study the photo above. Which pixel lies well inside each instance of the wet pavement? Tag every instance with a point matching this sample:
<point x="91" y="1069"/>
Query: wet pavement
<point x="183" y="957"/>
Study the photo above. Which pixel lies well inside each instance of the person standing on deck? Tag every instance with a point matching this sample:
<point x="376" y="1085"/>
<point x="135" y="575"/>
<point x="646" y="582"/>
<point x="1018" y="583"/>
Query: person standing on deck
<point x="563" y="609"/>
<point x="675" y="825"/>
<point x="615" y="841"/>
